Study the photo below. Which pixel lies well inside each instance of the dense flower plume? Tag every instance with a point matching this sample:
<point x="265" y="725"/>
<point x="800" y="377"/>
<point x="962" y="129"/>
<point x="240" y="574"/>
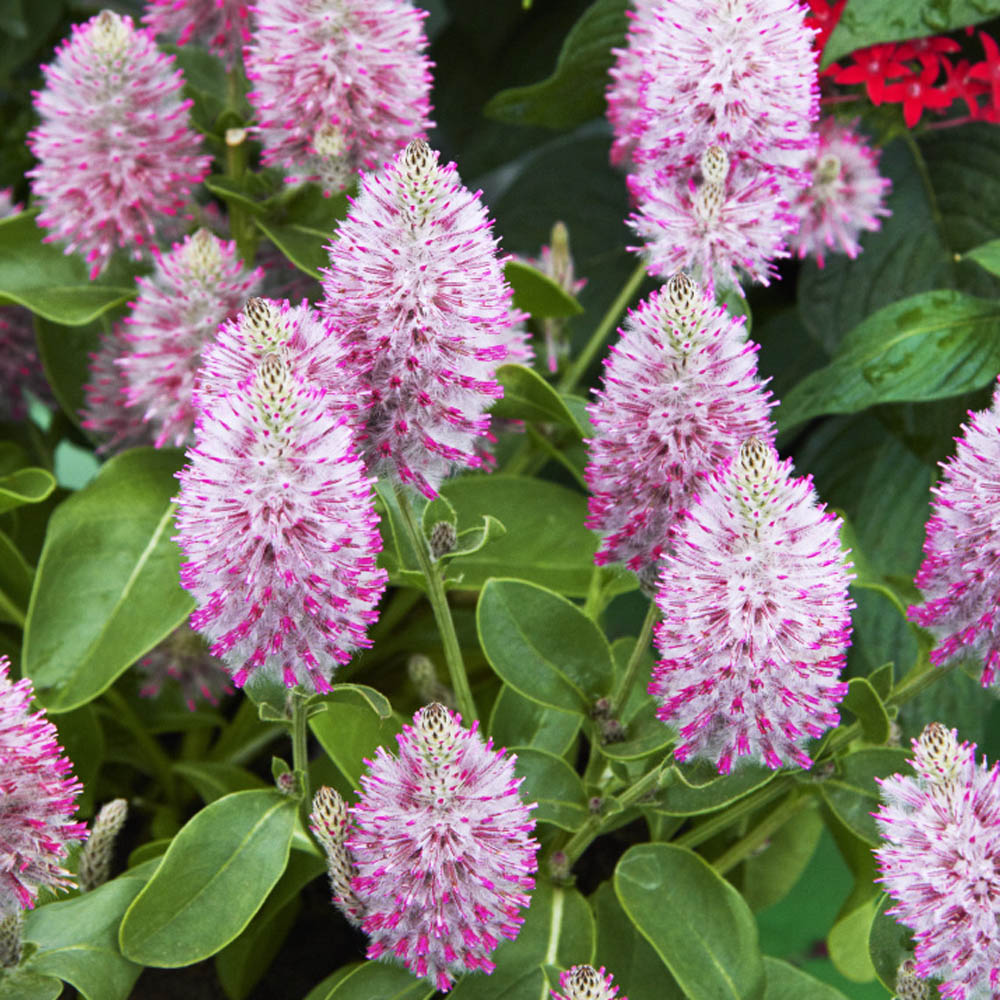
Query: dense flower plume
<point x="276" y="517"/>
<point x="756" y="617"/>
<point x="846" y="196"/>
<point x="114" y="149"/>
<point x="222" y="25"/>
<point x="195" y="287"/>
<point x="584" y="982"/>
<point x="958" y="577"/>
<point x="183" y="659"/>
<point x="633" y="66"/>
<point x="441" y="841"/>
<point x="680" y="393"/>
<point x="940" y="862"/>
<point x="338" y="84"/>
<point x="416" y="286"/>
<point x="39" y="797"/>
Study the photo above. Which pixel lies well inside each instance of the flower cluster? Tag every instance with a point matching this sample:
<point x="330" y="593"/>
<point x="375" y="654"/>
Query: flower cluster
<point x="756" y="617"/>
<point x="276" y="517"/>
<point x="183" y="659"/>
<point x="222" y="25"/>
<point x="39" y="797"/>
<point x="437" y="859"/>
<point x="114" y="149"/>
<point x="962" y="551"/>
<point x="338" y="84"/>
<point x="584" y="982"/>
<point x="940" y="862"/>
<point x="417" y="290"/>
<point x="680" y="393"/>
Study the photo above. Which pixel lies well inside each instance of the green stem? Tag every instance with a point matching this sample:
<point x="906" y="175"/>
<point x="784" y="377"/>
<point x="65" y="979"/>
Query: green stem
<point x="241" y="226"/>
<point x="442" y="612"/>
<point x="720" y="821"/>
<point x="548" y="448"/>
<point x="300" y="741"/>
<point x="632" y="667"/>
<point x="160" y="763"/>
<point x="761" y="833"/>
<point x="581" y="363"/>
<point x="592" y="605"/>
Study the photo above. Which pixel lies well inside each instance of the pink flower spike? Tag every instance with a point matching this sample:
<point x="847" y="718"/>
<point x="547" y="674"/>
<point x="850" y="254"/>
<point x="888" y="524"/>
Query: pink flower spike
<point x="338" y="84"/>
<point x="195" y="287"/>
<point x="275" y="514"/>
<point x="221" y="25"/>
<point x="39" y="797"/>
<point x="114" y="149"/>
<point x="957" y="578"/>
<point x="940" y="859"/>
<point x="441" y="843"/>
<point x="756" y="618"/>
<point x="680" y="393"/>
<point x="584" y="982"/>
<point x="846" y="197"/>
<point x="417" y="289"/>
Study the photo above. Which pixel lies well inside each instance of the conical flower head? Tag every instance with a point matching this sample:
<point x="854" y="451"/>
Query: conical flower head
<point x="756" y="617"/>
<point x="221" y="25"/>
<point x="846" y="196"/>
<point x="442" y="845"/>
<point x="114" y="149"/>
<point x="417" y="288"/>
<point x="338" y="84"/>
<point x="195" y="287"/>
<point x="958" y="576"/>
<point x="680" y="393"/>
<point x="276" y="517"/>
<point x="39" y="797"/>
<point x="940" y="862"/>
<point x="584" y="982"/>
<point x="183" y="660"/>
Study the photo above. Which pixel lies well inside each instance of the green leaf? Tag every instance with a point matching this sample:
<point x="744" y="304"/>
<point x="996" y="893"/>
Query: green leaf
<point x="65" y="354"/>
<point x="538" y="294"/>
<point x="882" y="680"/>
<point x="519" y="721"/>
<point x="769" y="876"/>
<point x="470" y="541"/>
<point x="40" y="277"/>
<point x="928" y="346"/>
<point x="245" y="192"/>
<point x="866" y="706"/>
<point x="527" y="396"/>
<point x="693" y="789"/>
<point x="214" y="779"/>
<point x="575" y="90"/>
<point x="848" y="938"/>
<point x="30" y="485"/>
<point x="645" y="734"/>
<point x="852" y="793"/>
<point x="554" y="786"/>
<point x="107" y="587"/>
<point x="77" y="938"/>
<point x="15" y="582"/>
<point x="889" y="945"/>
<point x="543" y="646"/>
<point x="866" y="22"/>
<point x="785" y="982"/>
<point x="696" y="921"/>
<point x="22" y="984"/>
<point x="986" y="255"/>
<point x="302" y="245"/>
<point x="372" y="981"/>
<point x="214" y="877"/>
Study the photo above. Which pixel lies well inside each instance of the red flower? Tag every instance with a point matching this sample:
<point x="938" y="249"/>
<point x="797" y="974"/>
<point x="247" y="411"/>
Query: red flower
<point x="874" y="67"/>
<point x="961" y="87"/>
<point x="823" y="18"/>
<point x="916" y="93"/>
<point x="928" y="50"/>
<point x="989" y="69"/>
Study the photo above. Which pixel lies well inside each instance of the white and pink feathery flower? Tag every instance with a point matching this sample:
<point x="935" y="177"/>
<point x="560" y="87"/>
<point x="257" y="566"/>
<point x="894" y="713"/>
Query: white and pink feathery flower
<point x="199" y="284"/>
<point x="338" y="84"/>
<point x="276" y="518"/>
<point x="442" y="848"/>
<point x="114" y="148"/>
<point x="39" y="799"/>
<point x="223" y="26"/>
<point x="756" y="618"/>
<point x="940" y="862"/>
<point x="417" y="289"/>
<point x="959" y="574"/>
<point x="584" y="982"/>
<point x="846" y="197"/>
<point x="680" y="394"/>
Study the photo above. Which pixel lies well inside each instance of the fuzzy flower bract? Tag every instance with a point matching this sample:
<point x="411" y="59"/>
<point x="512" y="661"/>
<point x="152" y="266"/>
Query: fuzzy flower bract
<point x="940" y="861"/>
<point x="222" y="25"/>
<point x="39" y="797"/>
<point x="338" y="84"/>
<point x="756" y="617"/>
<point x="417" y="289"/>
<point x="680" y="393"/>
<point x="114" y="149"/>
<point x="276" y="517"/>
<point x="441" y="842"/>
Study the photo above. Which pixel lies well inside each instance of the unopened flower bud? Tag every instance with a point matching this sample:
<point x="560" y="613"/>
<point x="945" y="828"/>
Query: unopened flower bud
<point x="328" y="822"/>
<point x="443" y="539"/>
<point x="908" y="985"/>
<point x="612" y="731"/>
<point x="559" y="866"/>
<point x="424" y="678"/>
<point x="10" y="940"/>
<point x="584" y="982"/>
<point x="97" y="852"/>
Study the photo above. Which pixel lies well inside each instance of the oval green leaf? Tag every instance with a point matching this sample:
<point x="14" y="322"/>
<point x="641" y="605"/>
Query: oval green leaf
<point x="519" y="721"/>
<point x="852" y="793"/>
<point x="30" y="485"/>
<point x="351" y="730"/>
<point x="697" y="788"/>
<point x="16" y="577"/>
<point x="215" y="876"/>
<point x="696" y="921"/>
<point x="889" y="945"/>
<point x="785" y="982"/>
<point x="543" y="646"/>
<point x="22" y="984"/>
<point x="527" y="396"/>
<point x="372" y="981"/>
<point x="106" y="588"/>
<point x="536" y="293"/>
<point x="864" y="703"/>
<point x="554" y="786"/>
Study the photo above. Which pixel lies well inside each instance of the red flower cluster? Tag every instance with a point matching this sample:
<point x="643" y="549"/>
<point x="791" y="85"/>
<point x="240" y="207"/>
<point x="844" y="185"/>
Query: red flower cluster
<point x="920" y="74"/>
